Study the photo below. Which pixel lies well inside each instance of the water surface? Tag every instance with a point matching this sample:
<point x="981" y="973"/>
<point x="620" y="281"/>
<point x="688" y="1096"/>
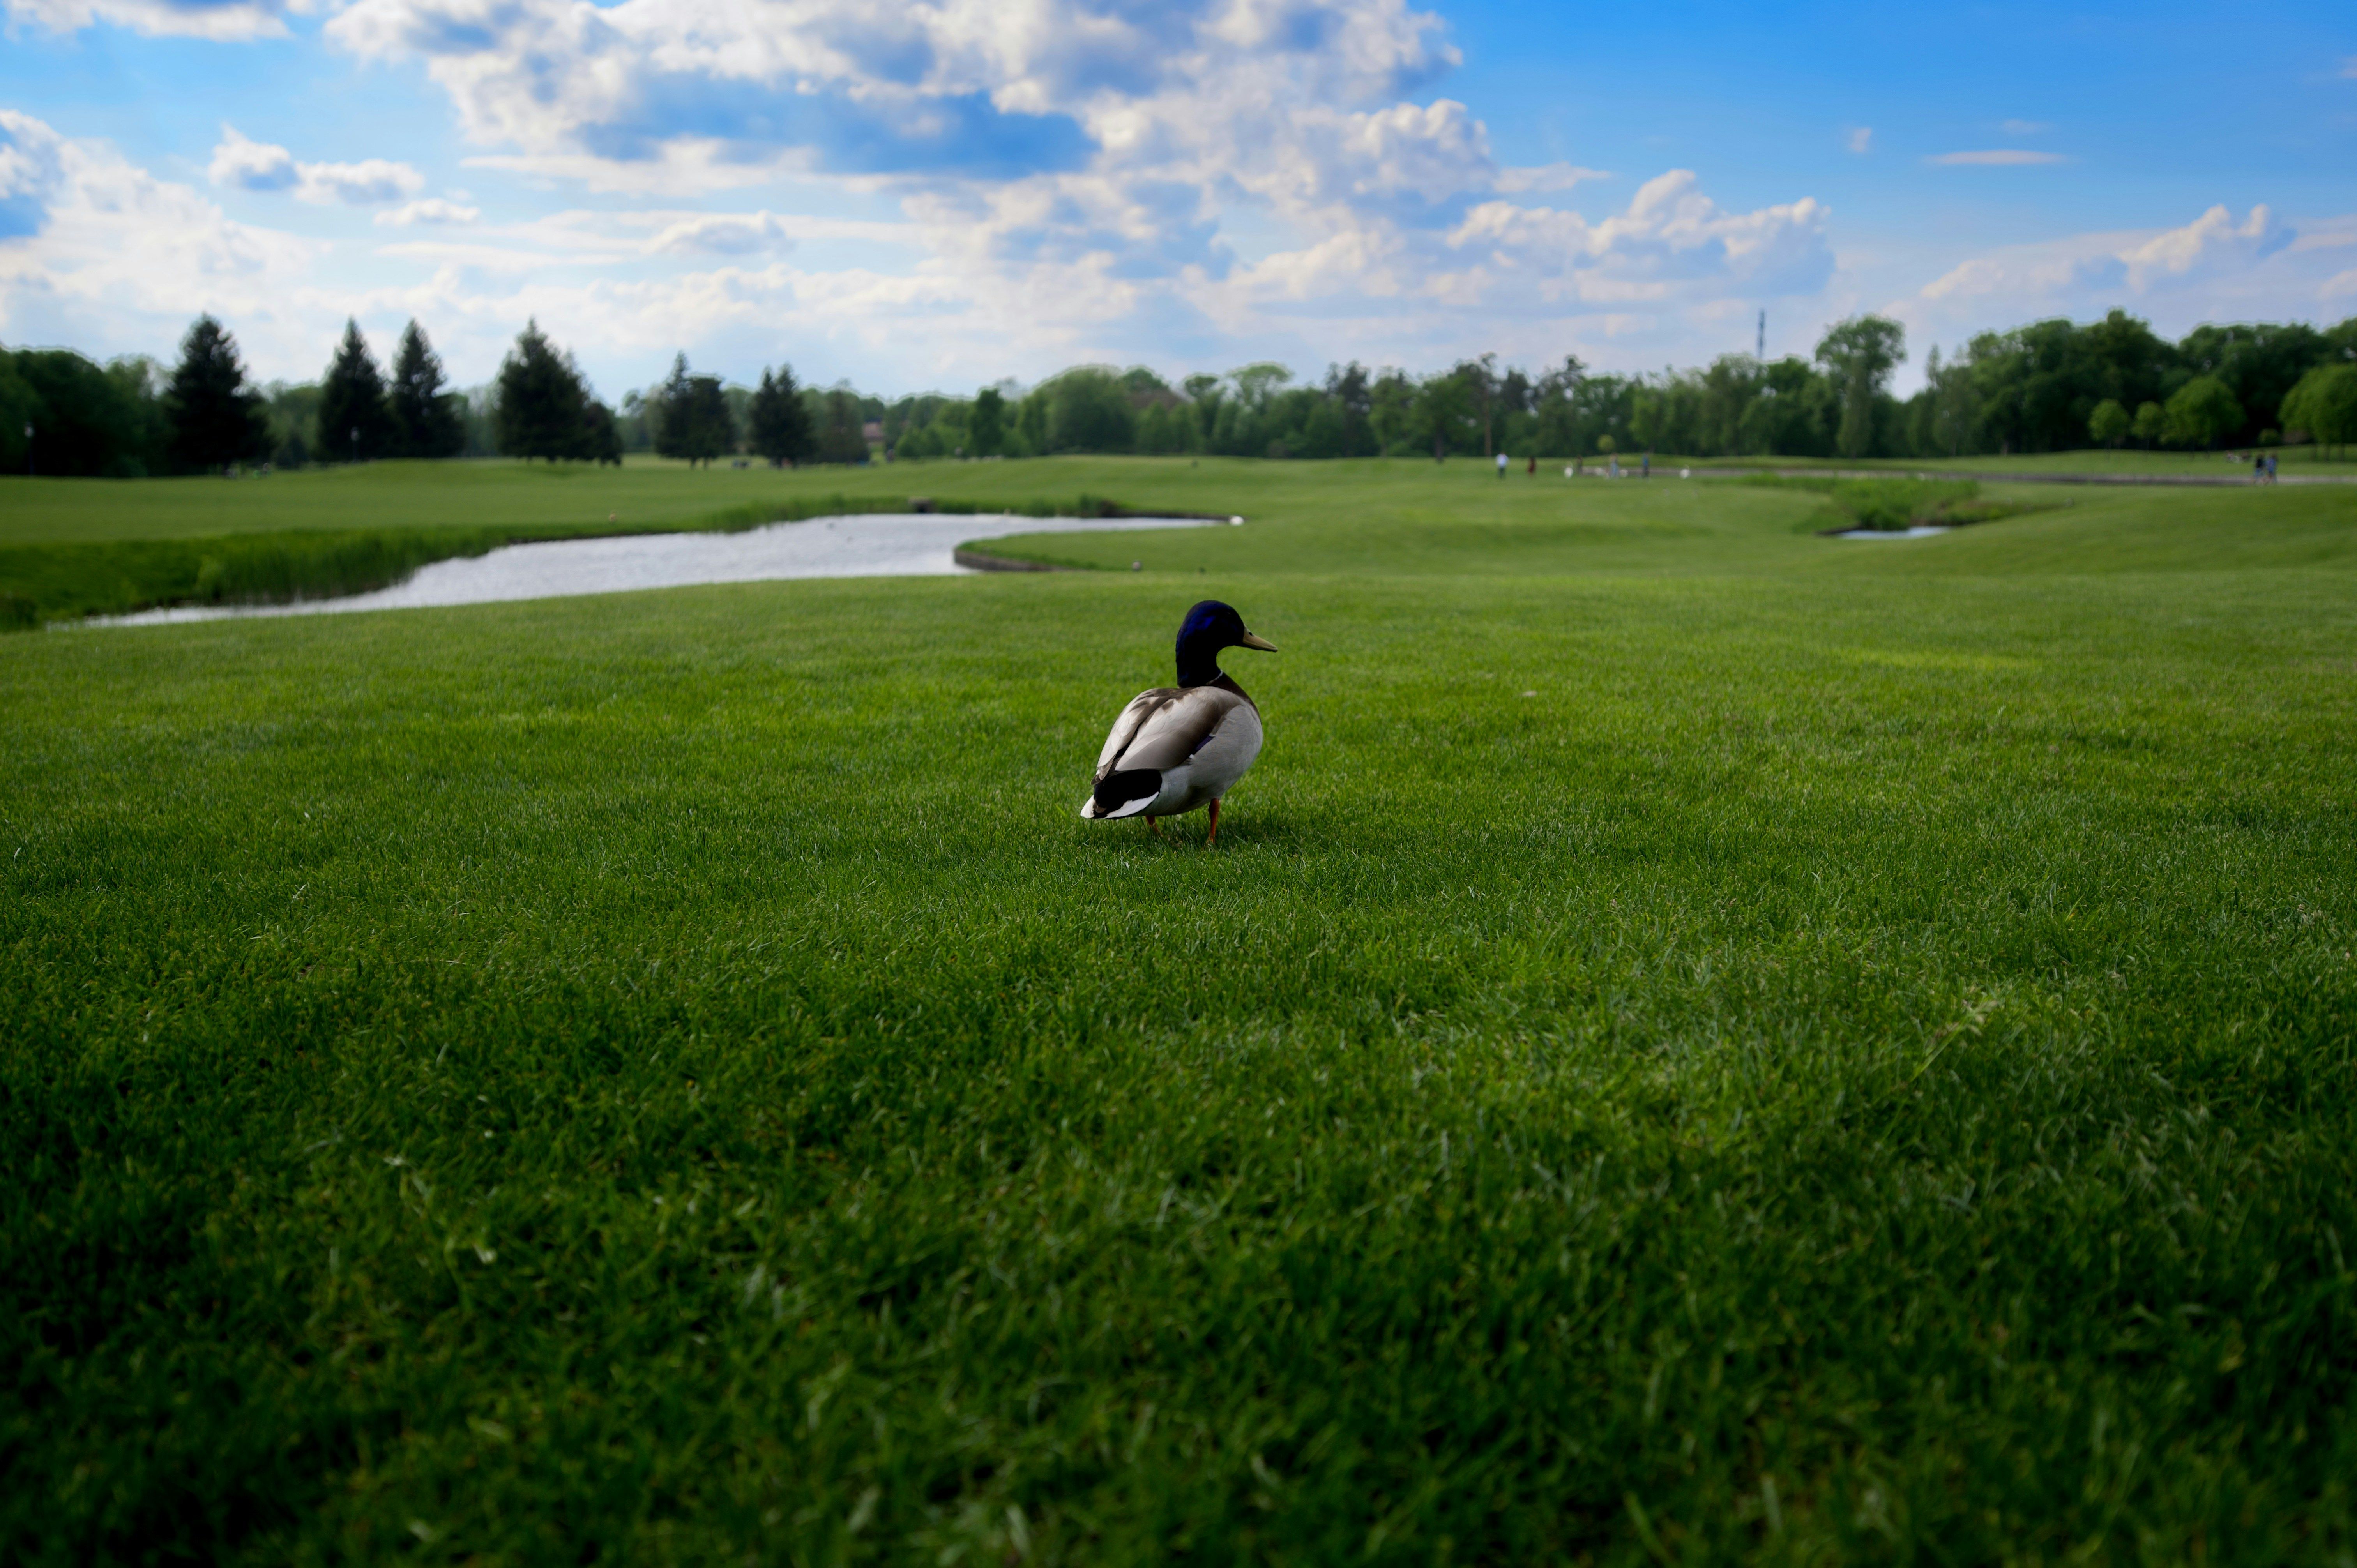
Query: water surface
<point x="879" y="544"/>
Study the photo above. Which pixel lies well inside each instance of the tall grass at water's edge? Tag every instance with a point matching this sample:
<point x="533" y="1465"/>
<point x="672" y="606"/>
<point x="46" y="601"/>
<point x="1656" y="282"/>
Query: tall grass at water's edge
<point x="48" y="582"/>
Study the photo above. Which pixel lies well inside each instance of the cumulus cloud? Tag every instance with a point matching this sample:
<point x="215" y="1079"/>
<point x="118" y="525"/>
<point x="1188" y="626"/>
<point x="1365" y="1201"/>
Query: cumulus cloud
<point x="434" y="210"/>
<point x="2115" y="264"/>
<point x="2212" y="243"/>
<point x="221" y="20"/>
<point x="102" y="247"/>
<point x="1995" y="157"/>
<point x="1671" y="242"/>
<point x="1859" y="139"/>
<point x="723" y="234"/>
<point x="2214" y="268"/>
<point x="240" y="164"/>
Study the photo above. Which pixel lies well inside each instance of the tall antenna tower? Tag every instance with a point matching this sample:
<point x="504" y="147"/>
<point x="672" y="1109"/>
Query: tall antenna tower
<point x="1761" y="353"/>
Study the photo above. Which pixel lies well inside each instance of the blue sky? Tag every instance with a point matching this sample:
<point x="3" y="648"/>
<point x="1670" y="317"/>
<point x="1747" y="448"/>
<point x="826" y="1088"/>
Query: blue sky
<point x="939" y="196"/>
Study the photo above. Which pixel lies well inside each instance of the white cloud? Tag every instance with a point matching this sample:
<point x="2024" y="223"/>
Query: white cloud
<point x="1544" y="177"/>
<point x="2212" y="243"/>
<point x="223" y="22"/>
<point x="2213" y="268"/>
<point x="1995" y="157"/>
<point x="1078" y="169"/>
<point x="2118" y="264"/>
<point x="1859" y="139"/>
<point x="434" y="209"/>
<point x="242" y="164"/>
<point x="723" y="234"/>
<point x="119" y="257"/>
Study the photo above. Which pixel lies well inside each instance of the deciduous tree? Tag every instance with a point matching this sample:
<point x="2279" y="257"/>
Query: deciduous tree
<point x="2324" y="405"/>
<point x="1859" y="355"/>
<point x="2202" y="413"/>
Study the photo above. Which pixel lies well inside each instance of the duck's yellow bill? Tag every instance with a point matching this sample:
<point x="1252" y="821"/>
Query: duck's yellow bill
<point x="1263" y="644"/>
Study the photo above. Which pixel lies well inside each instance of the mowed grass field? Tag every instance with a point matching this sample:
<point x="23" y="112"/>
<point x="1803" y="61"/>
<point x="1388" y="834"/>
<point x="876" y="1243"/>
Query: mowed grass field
<point x="1696" y="1042"/>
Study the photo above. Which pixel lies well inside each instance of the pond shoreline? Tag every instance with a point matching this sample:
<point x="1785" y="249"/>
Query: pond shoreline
<point x="868" y="544"/>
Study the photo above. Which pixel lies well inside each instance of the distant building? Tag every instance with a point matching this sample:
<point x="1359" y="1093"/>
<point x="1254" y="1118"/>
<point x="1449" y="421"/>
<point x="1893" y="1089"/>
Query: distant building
<point x="872" y="432"/>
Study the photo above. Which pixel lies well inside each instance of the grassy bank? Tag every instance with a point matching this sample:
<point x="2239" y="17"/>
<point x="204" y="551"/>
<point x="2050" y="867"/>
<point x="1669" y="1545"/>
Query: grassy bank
<point x="53" y="580"/>
<point x="1696" y="1042"/>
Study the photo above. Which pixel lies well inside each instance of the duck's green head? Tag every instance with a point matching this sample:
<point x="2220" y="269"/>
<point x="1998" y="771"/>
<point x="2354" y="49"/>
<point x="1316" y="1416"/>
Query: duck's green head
<point x="1208" y="627"/>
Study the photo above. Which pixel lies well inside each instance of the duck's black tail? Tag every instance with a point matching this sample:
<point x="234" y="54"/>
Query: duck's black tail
<point x="1126" y="791"/>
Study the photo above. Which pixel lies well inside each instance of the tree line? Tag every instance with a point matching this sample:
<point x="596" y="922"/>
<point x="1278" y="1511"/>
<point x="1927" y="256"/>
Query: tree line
<point x="2050" y="386"/>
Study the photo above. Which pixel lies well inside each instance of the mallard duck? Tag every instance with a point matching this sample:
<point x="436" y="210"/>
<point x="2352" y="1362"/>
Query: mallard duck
<point x="1179" y="747"/>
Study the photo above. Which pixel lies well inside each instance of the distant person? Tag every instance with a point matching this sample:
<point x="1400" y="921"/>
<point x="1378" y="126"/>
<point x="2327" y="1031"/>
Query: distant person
<point x="1501" y="465"/>
<point x="1535" y="464"/>
<point x="2258" y="469"/>
<point x="2271" y="467"/>
<point x="1612" y="468"/>
<point x="1648" y="470"/>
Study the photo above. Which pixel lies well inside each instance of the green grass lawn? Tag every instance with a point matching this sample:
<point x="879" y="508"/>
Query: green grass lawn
<point x="2291" y="462"/>
<point x="1696" y="1042"/>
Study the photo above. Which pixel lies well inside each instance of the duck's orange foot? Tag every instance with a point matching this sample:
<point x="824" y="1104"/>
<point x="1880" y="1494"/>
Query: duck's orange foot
<point x="1213" y="836"/>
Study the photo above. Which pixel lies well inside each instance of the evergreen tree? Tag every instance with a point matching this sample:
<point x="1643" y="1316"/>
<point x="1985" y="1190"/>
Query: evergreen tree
<point x="602" y="444"/>
<point x="780" y="423"/>
<point x="215" y="418"/>
<point x="692" y="418"/>
<point x="352" y="424"/>
<point x="423" y="422"/>
<point x="840" y="440"/>
<point x="544" y="409"/>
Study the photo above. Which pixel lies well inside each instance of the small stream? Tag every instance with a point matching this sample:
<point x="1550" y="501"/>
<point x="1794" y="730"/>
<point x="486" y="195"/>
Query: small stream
<point x="877" y="544"/>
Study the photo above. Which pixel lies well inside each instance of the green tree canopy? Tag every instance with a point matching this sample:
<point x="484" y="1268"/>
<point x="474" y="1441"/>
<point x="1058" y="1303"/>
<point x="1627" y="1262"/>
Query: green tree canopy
<point x="987" y="426"/>
<point x="86" y="421"/>
<point x="839" y="438"/>
<point x="691" y="416"/>
<point x="424" y="420"/>
<point x="2324" y="405"/>
<point x="215" y="418"/>
<point x="1088" y="411"/>
<point x="543" y="408"/>
<point x="2151" y="422"/>
<point x="1859" y="355"/>
<point x="779" y="425"/>
<point x="2109" y="424"/>
<point x="2202" y="413"/>
<point x="352" y="423"/>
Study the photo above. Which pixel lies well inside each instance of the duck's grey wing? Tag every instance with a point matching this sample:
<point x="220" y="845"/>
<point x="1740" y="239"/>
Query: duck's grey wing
<point x="1178" y="727"/>
<point x="1132" y="717"/>
<point x="1145" y="759"/>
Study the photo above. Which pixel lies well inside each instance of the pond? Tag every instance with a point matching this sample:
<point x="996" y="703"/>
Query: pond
<point x="881" y="545"/>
